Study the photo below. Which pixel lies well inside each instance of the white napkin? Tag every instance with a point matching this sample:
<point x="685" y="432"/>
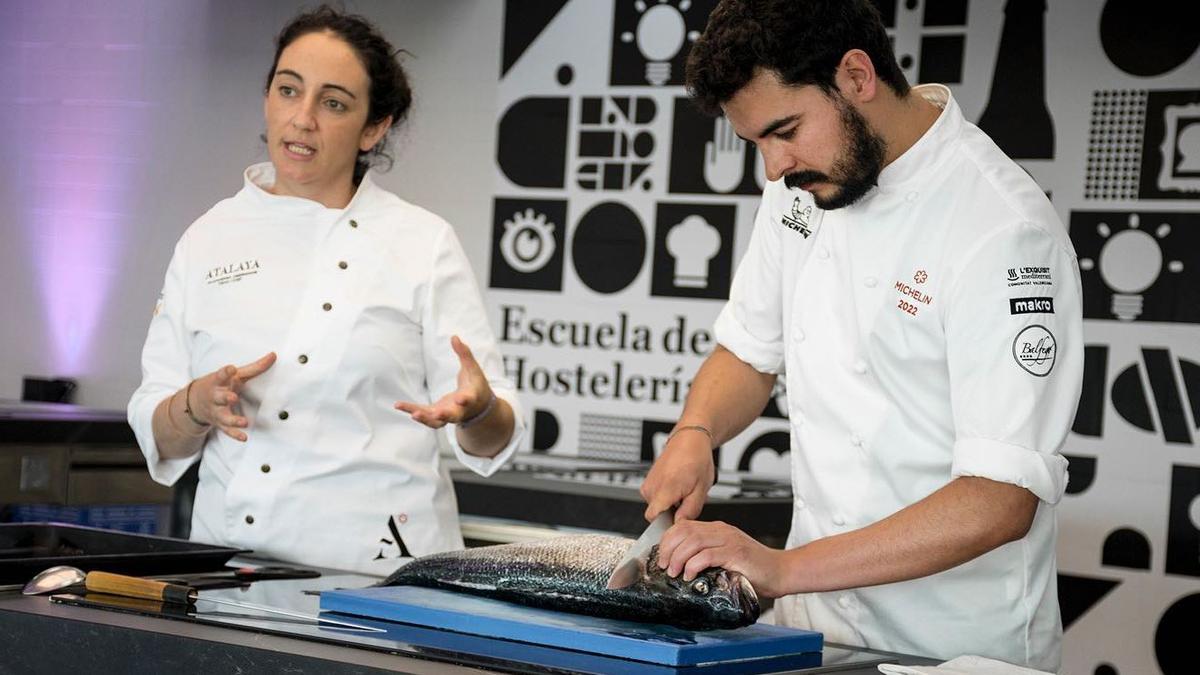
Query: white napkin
<point x="962" y="665"/>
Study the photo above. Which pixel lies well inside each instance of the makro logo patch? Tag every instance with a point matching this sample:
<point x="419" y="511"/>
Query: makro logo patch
<point x="1031" y="305"/>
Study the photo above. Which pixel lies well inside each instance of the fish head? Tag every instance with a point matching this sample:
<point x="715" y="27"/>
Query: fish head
<point x="725" y="596"/>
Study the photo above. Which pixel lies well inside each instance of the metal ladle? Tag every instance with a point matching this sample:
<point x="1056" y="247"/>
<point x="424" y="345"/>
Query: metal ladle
<point x="57" y="578"/>
<point x="62" y="577"/>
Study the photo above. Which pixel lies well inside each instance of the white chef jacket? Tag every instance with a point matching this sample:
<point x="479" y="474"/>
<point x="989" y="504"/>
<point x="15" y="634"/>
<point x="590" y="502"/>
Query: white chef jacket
<point x="359" y="305"/>
<point x="931" y="330"/>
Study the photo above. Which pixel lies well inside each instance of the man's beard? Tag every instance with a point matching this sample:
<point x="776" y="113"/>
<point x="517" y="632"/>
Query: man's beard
<point x="855" y="171"/>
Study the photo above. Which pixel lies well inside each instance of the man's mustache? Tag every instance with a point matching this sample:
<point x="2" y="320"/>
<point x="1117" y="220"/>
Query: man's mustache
<point x="795" y="180"/>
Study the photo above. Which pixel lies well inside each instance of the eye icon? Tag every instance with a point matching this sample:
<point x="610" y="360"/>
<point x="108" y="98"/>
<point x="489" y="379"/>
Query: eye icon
<point x="528" y="241"/>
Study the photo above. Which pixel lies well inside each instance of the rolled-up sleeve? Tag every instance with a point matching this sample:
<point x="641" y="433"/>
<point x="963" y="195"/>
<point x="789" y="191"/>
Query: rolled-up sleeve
<point x="1015" y="355"/>
<point x="454" y="307"/>
<point x="165" y="369"/>
<point x="751" y="323"/>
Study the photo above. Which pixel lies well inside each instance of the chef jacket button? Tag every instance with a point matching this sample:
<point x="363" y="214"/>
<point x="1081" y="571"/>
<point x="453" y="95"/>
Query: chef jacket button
<point x="856" y="440"/>
<point x="844" y="600"/>
<point x="342" y="264"/>
<point x="353" y="223"/>
<point x="798" y="336"/>
<point x="870" y="282"/>
<point x="249" y="519"/>
<point x="860" y="367"/>
<point x="839" y="521"/>
<point x="800" y="503"/>
<point x="266" y="468"/>
<point x="283" y="414"/>
<point x="327" y="306"/>
<point x="823" y="253"/>
<point x="910" y="197"/>
<point x="303" y="358"/>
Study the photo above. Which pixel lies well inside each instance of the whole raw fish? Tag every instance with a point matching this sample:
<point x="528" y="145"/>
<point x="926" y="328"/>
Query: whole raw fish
<point x="570" y="574"/>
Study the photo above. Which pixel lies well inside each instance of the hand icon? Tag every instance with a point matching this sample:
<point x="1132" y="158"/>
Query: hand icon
<point x="723" y="157"/>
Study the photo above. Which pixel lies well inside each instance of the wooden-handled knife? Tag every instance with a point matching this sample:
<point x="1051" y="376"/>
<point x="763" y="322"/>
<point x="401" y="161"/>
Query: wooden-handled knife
<point x="135" y="587"/>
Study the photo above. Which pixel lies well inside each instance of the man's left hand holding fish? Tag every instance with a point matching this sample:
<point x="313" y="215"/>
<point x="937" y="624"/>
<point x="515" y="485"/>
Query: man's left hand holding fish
<point x="692" y="546"/>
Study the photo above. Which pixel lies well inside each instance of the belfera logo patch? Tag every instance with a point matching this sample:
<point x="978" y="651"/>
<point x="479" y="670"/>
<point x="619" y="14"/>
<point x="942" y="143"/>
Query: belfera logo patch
<point x="1034" y="350"/>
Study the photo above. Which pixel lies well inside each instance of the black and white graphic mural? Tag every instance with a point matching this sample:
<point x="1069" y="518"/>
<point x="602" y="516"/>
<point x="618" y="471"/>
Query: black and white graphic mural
<point x="620" y="214"/>
<point x="650" y="40"/>
<point x="527" y="244"/>
<point x="1144" y="144"/>
<point x="1139" y="266"/>
<point x="1171" y="146"/>
<point x="707" y="157"/>
<point x="1124" y="24"/>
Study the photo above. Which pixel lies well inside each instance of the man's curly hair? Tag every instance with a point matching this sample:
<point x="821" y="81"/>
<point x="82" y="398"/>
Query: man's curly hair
<point x="803" y="41"/>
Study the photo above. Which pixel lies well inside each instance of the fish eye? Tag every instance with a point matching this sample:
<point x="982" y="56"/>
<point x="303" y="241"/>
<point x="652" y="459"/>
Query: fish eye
<point x="700" y="587"/>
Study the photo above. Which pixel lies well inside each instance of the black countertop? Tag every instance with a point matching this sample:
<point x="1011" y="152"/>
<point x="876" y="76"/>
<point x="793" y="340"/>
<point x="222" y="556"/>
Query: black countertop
<point x="41" y="636"/>
<point x="61" y="423"/>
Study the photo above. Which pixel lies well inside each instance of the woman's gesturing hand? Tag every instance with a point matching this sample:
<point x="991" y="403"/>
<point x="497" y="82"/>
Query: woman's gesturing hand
<point x="472" y="397"/>
<point x="213" y="398"/>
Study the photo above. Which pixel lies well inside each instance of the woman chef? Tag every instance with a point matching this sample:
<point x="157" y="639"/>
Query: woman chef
<point x="348" y="312"/>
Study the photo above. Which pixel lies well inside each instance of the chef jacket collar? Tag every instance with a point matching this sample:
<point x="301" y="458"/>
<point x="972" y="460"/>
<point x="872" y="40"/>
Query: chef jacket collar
<point x="261" y="176"/>
<point x="932" y="147"/>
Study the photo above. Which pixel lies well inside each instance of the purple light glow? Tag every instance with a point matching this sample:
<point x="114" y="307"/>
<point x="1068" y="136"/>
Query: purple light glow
<point x="99" y="99"/>
<point x="81" y="160"/>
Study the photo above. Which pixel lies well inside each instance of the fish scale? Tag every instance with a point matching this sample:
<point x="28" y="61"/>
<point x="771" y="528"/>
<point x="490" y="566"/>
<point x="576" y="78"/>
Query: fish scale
<point x="570" y="573"/>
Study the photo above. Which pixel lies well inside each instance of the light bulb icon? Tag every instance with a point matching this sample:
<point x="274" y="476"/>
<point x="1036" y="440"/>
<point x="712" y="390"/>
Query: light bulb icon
<point x="1129" y="263"/>
<point x="692" y="243"/>
<point x="659" y="36"/>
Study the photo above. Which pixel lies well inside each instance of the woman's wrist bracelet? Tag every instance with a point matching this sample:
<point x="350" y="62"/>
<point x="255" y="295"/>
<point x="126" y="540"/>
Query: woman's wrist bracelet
<point x="487" y="410"/>
<point x="170" y="403"/>
<point x="187" y="407"/>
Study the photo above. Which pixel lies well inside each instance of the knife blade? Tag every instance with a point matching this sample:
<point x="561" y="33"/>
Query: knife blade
<point x="630" y="568"/>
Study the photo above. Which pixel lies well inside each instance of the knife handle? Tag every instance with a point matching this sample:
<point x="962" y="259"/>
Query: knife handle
<point x="136" y="587"/>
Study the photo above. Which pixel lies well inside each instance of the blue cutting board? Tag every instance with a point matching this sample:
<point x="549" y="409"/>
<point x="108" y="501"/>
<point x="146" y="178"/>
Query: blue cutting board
<point x="652" y="643"/>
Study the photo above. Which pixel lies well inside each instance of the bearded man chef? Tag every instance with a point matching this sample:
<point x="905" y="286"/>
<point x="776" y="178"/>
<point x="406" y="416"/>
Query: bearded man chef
<point x="922" y="299"/>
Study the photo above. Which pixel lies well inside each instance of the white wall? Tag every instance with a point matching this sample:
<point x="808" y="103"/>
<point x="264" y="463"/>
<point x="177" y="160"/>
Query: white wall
<point x="128" y="119"/>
